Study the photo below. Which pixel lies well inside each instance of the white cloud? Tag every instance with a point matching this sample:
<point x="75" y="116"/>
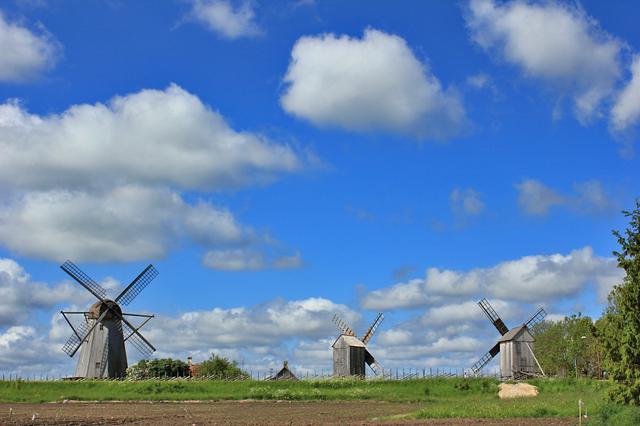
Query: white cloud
<point x="20" y="297"/>
<point x="266" y="324"/>
<point x="248" y="259"/>
<point x="536" y="198"/>
<point x="459" y="313"/>
<point x="164" y="137"/>
<point x="529" y="279"/>
<point x="123" y="224"/>
<point x="102" y="182"/>
<point x="557" y="44"/>
<point x="626" y="111"/>
<point x="395" y="336"/>
<point x="466" y="202"/>
<point x="368" y="84"/>
<point x="222" y="18"/>
<point x="25" y="54"/>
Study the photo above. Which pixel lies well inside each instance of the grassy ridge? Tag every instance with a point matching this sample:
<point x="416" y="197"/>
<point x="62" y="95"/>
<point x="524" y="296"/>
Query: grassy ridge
<point x="442" y="397"/>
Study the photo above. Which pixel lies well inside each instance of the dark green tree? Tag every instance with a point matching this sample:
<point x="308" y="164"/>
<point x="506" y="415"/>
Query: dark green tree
<point x="220" y="368"/>
<point x="621" y="321"/>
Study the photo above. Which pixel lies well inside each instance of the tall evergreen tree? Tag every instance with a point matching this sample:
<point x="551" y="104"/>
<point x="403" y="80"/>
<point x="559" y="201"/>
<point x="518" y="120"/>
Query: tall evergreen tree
<point x="621" y="340"/>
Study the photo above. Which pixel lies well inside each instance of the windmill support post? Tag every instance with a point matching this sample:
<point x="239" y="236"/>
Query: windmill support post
<point x="536" y="359"/>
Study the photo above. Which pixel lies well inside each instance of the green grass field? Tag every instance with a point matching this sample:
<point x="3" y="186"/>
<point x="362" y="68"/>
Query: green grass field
<point x="442" y="397"/>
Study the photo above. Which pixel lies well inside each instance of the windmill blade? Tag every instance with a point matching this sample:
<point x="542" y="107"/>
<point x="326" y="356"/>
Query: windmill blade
<point x="374" y="325"/>
<point x="536" y="318"/>
<point x="493" y="316"/>
<point x="74" y="342"/>
<point x="137" y="285"/>
<point x="371" y="362"/>
<point x="342" y="326"/>
<point x="484" y="360"/>
<point x="84" y="280"/>
<point x="136" y="339"/>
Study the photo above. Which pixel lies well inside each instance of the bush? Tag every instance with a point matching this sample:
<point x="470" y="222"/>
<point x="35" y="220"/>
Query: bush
<point x="618" y="415"/>
<point x="158" y="368"/>
<point x="220" y="368"/>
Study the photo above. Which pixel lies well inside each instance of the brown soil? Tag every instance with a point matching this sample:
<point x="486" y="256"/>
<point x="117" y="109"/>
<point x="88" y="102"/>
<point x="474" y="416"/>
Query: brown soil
<point x="232" y="412"/>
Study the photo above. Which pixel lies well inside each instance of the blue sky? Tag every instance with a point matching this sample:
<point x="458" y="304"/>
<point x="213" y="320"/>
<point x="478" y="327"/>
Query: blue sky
<point x="281" y="161"/>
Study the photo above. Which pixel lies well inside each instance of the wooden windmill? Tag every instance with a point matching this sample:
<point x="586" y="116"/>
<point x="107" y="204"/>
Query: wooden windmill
<point x="350" y="354"/>
<point x="105" y="328"/>
<point x="517" y="359"/>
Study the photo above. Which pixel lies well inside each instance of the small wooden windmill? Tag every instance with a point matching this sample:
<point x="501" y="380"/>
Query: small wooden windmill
<point x="350" y="354"/>
<point x="517" y="359"/>
<point x="102" y="334"/>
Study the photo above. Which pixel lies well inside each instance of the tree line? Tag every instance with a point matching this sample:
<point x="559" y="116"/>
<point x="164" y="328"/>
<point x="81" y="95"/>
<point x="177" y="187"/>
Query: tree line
<point x="214" y="367"/>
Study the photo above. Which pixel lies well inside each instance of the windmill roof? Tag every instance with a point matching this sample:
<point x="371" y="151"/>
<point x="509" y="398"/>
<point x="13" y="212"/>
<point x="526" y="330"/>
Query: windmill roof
<point x="350" y="340"/>
<point x="515" y="332"/>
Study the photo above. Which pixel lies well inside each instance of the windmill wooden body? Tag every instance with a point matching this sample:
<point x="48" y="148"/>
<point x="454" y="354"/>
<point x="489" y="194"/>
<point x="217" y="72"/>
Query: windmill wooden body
<point x="350" y="354"/>
<point x="517" y="359"/>
<point x="102" y="334"/>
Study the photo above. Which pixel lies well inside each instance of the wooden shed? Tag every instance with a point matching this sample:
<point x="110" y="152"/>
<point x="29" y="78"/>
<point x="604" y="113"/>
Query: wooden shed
<point x="516" y="354"/>
<point x="349" y="355"/>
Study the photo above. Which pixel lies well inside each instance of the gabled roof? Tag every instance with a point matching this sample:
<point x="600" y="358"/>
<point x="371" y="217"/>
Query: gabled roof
<point x="349" y="340"/>
<point x="284" y="374"/>
<point x="515" y="333"/>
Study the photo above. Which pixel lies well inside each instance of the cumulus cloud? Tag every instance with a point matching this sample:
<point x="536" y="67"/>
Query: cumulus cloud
<point x="20" y="296"/>
<point x="458" y="313"/>
<point x="626" y="110"/>
<point x="528" y="279"/>
<point x="536" y="198"/>
<point x="25" y="54"/>
<point x="248" y="259"/>
<point x="25" y="351"/>
<point x="367" y="84"/>
<point x="266" y="324"/>
<point x="554" y="43"/>
<point x="102" y="182"/>
<point x="151" y="137"/>
<point x="221" y="17"/>
<point x="123" y="224"/>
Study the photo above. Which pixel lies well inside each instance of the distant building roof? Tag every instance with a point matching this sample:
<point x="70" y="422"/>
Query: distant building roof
<point x="516" y="332"/>
<point x="284" y="373"/>
<point x="349" y="340"/>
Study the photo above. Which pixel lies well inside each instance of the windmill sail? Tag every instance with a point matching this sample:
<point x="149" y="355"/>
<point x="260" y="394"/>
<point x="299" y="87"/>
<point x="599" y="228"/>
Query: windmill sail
<point x="536" y="318"/>
<point x="74" y="342"/>
<point x="137" y="285"/>
<point x="371" y="362"/>
<point x="83" y="279"/>
<point x="372" y="329"/>
<point x="493" y="316"/>
<point x="136" y="339"/>
<point x="484" y="360"/>
<point x="342" y="326"/>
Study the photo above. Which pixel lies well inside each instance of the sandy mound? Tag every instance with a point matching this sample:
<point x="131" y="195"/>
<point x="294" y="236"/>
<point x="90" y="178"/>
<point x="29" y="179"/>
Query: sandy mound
<point x="518" y="390"/>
